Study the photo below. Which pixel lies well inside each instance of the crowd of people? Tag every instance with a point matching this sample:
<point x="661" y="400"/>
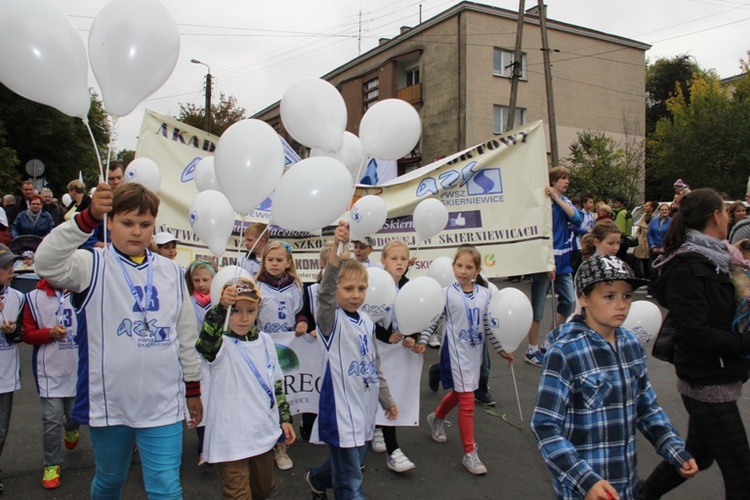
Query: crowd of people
<point x="217" y="367"/>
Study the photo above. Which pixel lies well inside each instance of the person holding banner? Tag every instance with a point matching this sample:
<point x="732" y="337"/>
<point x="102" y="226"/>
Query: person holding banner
<point x="563" y="214"/>
<point x="248" y="412"/>
<point x="281" y="307"/>
<point x="395" y="259"/>
<point x="465" y="332"/>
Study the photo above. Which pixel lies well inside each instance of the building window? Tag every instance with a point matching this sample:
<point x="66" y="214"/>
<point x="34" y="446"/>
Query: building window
<point x="412" y="77"/>
<point x="370" y="93"/>
<point x="502" y="63"/>
<point x="500" y="118"/>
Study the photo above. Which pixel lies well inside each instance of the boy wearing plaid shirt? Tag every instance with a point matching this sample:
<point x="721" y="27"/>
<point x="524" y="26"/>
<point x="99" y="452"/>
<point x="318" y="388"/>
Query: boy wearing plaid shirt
<point x="595" y="393"/>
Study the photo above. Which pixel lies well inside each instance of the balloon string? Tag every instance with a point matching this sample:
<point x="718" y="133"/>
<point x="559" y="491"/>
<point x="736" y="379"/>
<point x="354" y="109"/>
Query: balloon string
<point x="354" y="190"/>
<point x="96" y="148"/>
<point x="515" y="386"/>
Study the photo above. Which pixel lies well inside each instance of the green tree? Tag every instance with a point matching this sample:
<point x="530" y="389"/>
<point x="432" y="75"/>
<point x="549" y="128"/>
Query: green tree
<point x="662" y="78"/>
<point x="125" y="156"/>
<point x="10" y="178"/>
<point x="707" y="140"/>
<point x="61" y="142"/>
<point x="600" y="166"/>
<point x="223" y="114"/>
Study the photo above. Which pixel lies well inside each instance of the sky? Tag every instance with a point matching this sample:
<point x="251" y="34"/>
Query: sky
<point x="257" y="49"/>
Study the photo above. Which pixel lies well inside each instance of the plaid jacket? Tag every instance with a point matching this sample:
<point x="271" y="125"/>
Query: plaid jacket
<point x="592" y="397"/>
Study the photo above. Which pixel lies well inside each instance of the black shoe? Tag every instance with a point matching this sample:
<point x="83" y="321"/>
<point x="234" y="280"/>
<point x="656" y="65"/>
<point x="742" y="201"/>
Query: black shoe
<point x="316" y="494"/>
<point x="484" y="398"/>
<point x="434" y="378"/>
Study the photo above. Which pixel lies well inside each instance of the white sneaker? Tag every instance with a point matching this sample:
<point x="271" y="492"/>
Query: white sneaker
<point x="378" y="442"/>
<point x="434" y="340"/>
<point x="398" y="462"/>
<point x="437" y="427"/>
<point x="283" y="462"/>
<point x="472" y="463"/>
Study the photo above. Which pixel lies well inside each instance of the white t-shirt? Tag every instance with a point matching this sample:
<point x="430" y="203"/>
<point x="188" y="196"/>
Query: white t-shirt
<point x="10" y="366"/>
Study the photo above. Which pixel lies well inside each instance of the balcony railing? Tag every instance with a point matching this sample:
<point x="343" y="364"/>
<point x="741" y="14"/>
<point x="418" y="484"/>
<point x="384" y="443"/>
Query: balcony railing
<point x="411" y="94"/>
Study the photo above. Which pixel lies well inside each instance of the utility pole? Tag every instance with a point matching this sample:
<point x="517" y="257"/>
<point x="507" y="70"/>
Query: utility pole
<point x="517" y="67"/>
<point x="359" y="34"/>
<point x="207" y="113"/>
<point x="548" y="81"/>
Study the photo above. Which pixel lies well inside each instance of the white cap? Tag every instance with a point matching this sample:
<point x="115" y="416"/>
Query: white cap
<point x="3" y="217"/>
<point x="164" y="238"/>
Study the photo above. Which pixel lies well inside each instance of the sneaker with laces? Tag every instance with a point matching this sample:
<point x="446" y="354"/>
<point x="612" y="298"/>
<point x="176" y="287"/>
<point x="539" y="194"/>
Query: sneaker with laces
<point x="437" y="427"/>
<point x="398" y="462"/>
<point x="51" y="478"/>
<point x="472" y="463"/>
<point x="283" y="462"/>
<point x="71" y="439"/>
<point x="484" y="398"/>
<point x="378" y="441"/>
<point x="316" y="494"/>
<point x="534" y="358"/>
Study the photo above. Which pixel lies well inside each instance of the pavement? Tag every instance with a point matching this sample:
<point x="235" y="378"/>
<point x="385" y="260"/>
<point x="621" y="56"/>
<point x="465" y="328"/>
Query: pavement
<point x="515" y="467"/>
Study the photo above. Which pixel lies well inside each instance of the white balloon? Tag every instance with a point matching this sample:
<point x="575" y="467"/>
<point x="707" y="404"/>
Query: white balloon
<point x="144" y="171"/>
<point x="644" y="320"/>
<point x="204" y="175"/>
<point x="419" y="304"/>
<point x="381" y="294"/>
<point x="43" y="57"/>
<point x="430" y="217"/>
<point x="367" y="217"/>
<point x="212" y="218"/>
<point x="350" y="154"/>
<point x="493" y="288"/>
<point x="312" y="194"/>
<point x="133" y="49"/>
<point x="390" y="129"/>
<point x="248" y="162"/>
<point x="66" y="199"/>
<point x="222" y="277"/>
<point x="314" y="114"/>
<point x="441" y="270"/>
<point x="510" y="316"/>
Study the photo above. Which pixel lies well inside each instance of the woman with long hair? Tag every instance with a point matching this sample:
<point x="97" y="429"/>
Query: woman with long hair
<point x="737" y="212"/>
<point x="710" y="358"/>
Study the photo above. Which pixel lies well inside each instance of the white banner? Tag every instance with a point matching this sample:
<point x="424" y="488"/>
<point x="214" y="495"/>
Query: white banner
<point x="494" y="193"/>
<point x="402" y="369"/>
<point x="301" y="362"/>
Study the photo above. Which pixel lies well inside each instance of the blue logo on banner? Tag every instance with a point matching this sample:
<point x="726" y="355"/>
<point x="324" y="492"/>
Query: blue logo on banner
<point x="189" y="173"/>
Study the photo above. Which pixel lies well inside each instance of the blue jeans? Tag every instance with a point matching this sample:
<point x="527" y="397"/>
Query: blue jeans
<point x="341" y="472"/>
<point x="566" y="296"/>
<point x="161" y="453"/>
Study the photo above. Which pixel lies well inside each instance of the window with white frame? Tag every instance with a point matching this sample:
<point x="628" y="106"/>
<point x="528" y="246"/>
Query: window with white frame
<point x="412" y="76"/>
<point x="502" y="63"/>
<point x="500" y="118"/>
<point x="370" y="93"/>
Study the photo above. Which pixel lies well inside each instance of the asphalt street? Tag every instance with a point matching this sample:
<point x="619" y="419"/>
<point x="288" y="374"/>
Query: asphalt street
<point x="515" y="467"/>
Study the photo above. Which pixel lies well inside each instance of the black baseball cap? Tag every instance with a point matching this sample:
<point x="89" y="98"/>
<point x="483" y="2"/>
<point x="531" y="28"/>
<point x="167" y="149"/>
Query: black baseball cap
<point x="605" y="268"/>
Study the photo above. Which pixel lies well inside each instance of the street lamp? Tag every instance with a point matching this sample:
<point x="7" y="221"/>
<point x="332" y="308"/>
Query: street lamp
<point x="208" y="94"/>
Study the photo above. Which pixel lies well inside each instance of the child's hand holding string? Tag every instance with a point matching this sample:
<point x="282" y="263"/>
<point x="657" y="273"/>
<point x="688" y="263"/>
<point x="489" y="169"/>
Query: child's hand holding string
<point x="229" y="296"/>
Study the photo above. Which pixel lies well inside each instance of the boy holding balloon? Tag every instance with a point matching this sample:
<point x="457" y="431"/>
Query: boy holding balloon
<point x="595" y="393"/>
<point x="349" y="397"/>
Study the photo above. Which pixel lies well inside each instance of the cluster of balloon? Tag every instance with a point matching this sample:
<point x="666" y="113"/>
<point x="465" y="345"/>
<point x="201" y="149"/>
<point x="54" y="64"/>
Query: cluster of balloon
<point x="204" y="175"/>
<point x="510" y="317"/>
<point x="419" y="304"/>
<point x="430" y="217"/>
<point x="381" y="294"/>
<point x="225" y="275"/>
<point x="644" y="320"/>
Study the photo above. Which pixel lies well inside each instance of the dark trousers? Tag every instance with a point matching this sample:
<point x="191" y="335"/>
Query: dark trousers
<point x="715" y="433"/>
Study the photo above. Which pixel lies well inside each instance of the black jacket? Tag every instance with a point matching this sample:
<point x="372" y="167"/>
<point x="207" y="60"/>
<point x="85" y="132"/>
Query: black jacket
<point x="701" y="302"/>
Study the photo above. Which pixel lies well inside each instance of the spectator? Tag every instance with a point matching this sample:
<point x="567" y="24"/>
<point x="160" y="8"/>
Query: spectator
<point x="27" y="189"/>
<point x="737" y="212"/>
<point x="81" y="200"/>
<point x="33" y="221"/>
<point x="8" y="200"/>
<point x="681" y="188"/>
<point x="563" y="214"/>
<point x="115" y="179"/>
<point x="641" y="252"/>
<point x="624" y="220"/>
<point x="603" y="211"/>
<point x="51" y="206"/>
